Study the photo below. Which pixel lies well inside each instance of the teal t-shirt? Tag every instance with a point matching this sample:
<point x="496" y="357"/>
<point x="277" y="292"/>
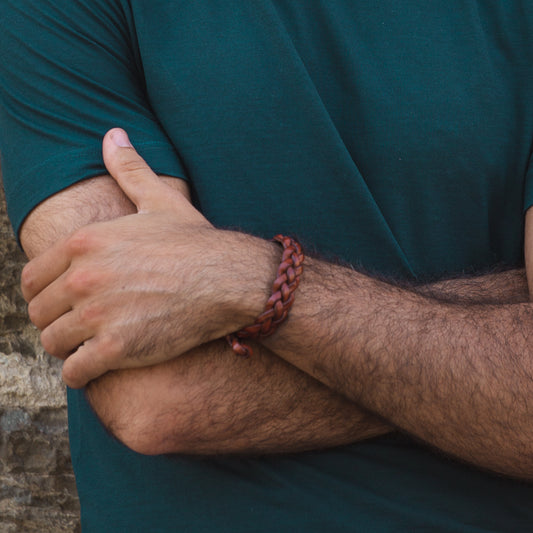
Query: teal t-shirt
<point x="391" y="135"/>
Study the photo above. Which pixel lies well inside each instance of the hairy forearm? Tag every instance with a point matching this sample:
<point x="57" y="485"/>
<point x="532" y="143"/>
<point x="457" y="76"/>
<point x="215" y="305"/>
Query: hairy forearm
<point x="261" y="405"/>
<point x="206" y="401"/>
<point x="302" y="345"/>
<point x="456" y="374"/>
<point x="209" y="401"/>
<point x="499" y="286"/>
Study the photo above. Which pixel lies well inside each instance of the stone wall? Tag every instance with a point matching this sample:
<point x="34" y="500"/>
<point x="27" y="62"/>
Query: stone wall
<point x="37" y="488"/>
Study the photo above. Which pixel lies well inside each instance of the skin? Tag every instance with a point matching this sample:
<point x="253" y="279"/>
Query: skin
<point x="456" y="376"/>
<point x="262" y="405"/>
<point x="441" y="363"/>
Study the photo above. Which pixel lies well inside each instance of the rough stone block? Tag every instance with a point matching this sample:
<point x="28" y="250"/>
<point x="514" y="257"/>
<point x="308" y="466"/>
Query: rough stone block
<point x="37" y="487"/>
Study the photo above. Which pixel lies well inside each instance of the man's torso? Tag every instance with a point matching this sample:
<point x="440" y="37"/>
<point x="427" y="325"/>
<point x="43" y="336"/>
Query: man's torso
<point x="394" y="136"/>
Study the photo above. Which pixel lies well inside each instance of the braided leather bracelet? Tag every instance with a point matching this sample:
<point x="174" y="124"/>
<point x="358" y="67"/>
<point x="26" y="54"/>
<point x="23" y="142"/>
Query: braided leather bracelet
<point x="279" y="304"/>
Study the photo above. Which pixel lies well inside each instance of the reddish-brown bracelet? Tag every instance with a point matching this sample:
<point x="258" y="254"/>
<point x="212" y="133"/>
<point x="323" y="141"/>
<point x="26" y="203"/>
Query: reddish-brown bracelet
<point x="279" y="304"/>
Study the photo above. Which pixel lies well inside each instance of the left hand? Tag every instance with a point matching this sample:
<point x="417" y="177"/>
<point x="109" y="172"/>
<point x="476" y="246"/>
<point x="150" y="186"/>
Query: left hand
<point x="140" y="289"/>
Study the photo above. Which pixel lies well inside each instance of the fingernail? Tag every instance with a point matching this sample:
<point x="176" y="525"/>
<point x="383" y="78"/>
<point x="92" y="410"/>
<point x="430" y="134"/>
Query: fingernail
<point x="120" y="138"/>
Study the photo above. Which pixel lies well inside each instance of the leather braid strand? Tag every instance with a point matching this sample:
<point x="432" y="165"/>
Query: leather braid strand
<point x="278" y="305"/>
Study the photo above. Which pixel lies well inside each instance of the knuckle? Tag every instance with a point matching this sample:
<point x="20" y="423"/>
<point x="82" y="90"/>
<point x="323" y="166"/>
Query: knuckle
<point x="49" y="342"/>
<point x="112" y="347"/>
<point x="35" y="312"/>
<point x="74" y="282"/>
<point x="81" y="242"/>
<point x="91" y="313"/>
<point x="27" y="279"/>
<point x="132" y="163"/>
<point x="80" y="281"/>
<point x="70" y="375"/>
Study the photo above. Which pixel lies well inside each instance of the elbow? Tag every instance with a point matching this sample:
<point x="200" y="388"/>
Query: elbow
<point x="142" y="438"/>
<point x="142" y="434"/>
<point x="136" y="423"/>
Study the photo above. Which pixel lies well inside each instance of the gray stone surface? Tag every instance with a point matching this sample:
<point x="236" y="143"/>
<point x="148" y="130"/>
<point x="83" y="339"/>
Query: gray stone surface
<point x="37" y="488"/>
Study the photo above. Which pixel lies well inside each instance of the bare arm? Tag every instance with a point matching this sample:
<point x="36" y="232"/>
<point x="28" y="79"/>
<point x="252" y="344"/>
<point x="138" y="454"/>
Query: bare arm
<point x="258" y="406"/>
<point x="206" y="401"/>
<point x="456" y="374"/>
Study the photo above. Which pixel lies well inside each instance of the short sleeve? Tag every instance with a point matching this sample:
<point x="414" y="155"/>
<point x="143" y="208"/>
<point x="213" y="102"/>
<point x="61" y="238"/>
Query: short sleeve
<point x="70" y="71"/>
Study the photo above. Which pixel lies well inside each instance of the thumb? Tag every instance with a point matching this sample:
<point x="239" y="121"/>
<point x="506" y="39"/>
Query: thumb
<point x="138" y="181"/>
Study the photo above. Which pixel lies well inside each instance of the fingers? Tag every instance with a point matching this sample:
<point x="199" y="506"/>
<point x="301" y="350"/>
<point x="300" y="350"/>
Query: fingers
<point x="48" y="306"/>
<point x="44" y="269"/>
<point x="63" y="336"/>
<point x="94" y="358"/>
<point x="138" y="181"/>
<point x="85" y="364"/>
<point x="142" y="186"/>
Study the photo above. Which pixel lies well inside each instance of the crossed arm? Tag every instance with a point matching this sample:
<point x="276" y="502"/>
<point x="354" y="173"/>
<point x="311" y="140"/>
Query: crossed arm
<point x="449" y="364"/>
<point x="206" y="401"/>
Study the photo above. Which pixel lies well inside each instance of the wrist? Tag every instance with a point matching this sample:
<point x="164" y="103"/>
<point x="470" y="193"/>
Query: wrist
<point x="280" y="301"/>
<point x="251" y="268"/>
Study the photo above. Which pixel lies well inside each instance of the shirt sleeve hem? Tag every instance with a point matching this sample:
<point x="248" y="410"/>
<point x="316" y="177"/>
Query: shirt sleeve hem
<point x="63" y="170"/>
